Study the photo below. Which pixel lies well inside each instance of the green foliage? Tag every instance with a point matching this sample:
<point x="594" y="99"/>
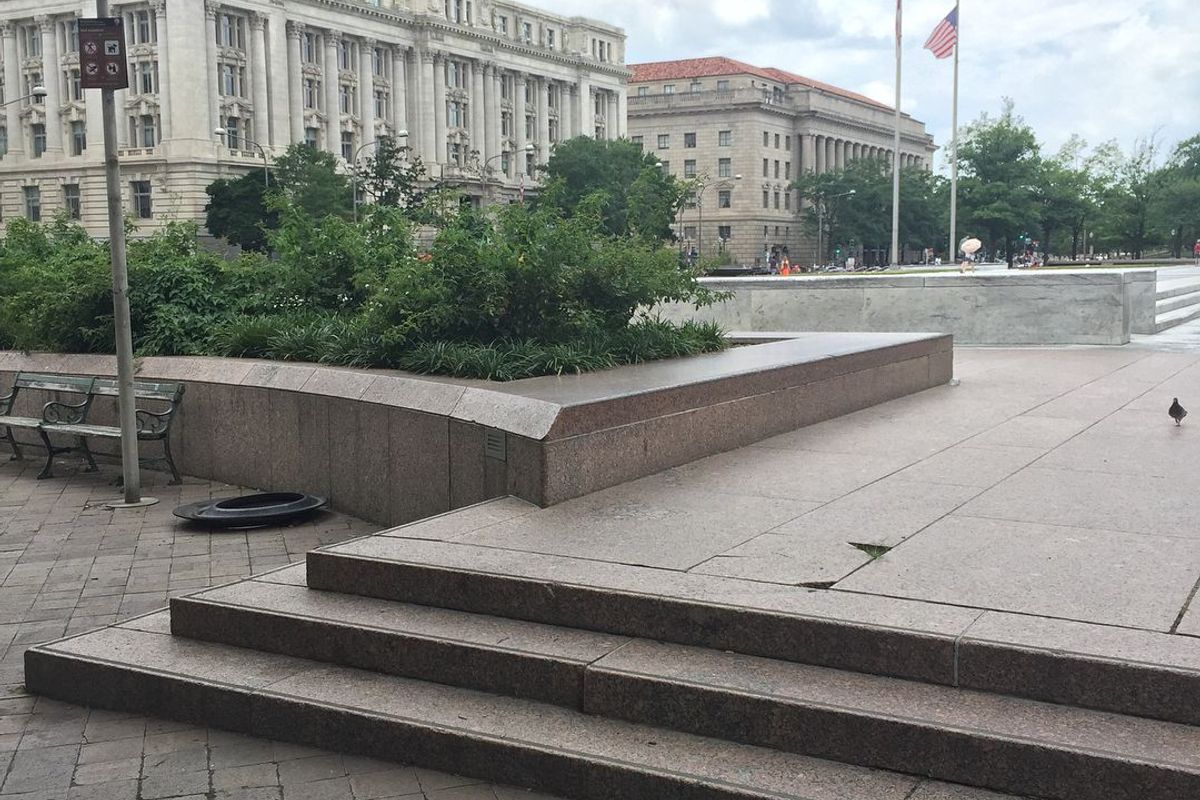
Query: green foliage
<point x="238" y="212"/>
<point x="309" y="178"/>
<point x="638" y="198"/>
<point x="393" y="176"/>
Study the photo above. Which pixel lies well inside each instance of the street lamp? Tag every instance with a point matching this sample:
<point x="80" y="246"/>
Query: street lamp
<point x="821" y="218"/>
<point x="354" y="172"/>
<point x="700" y="210"/>
<point x="37" y="91"/>
<point x="266" y="162"/>
<point x="483" y="169"/>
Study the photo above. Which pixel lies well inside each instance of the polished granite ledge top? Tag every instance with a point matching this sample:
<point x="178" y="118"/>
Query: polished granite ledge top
<point x="977" y="280"/>
<point x="529" y="407"/>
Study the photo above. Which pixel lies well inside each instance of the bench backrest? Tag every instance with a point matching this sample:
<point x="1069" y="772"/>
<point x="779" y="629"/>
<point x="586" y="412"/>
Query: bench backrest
<point x="78" y="384"/>
<point x="142" y="390"/>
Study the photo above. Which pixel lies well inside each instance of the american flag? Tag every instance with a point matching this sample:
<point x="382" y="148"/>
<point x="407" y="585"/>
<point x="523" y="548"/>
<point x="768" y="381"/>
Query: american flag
<point x="945" y="36"/>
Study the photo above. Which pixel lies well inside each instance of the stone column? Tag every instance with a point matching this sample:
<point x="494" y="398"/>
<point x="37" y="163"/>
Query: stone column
<point x="491" y="114"/>
<point x="839" y="155"/>
<point x="519" y="140"/>
<point x="278" y="82"/>
<point x="424" y="110"/>
<point x="52" y="80"/>
<point x="12" y="80"/>
<point x="622" y="112"/>
<point x="333" y="107"/>
<point x="214" y="87"/>
<point x="262" y="104"/>
<point x="612" y="125"/>
<point x="830" y="154"/>
<point x="542" y="87"/>
<point x="819" y="160"/>
<point x="400" y="93"/>
<point x="438" y="108"/>
<point x="568" y="114"/>
<point x="366" y="91"/>
<point x="808" y="152"/>
<point x="587" y="121"/>
<point x="164" y="79"/>
<point x="295" y="81"/>
<point x="478" y="110"/>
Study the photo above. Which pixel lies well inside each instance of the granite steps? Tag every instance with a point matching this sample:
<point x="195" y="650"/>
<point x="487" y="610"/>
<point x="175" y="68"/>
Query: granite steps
<point x="463" y="667"/>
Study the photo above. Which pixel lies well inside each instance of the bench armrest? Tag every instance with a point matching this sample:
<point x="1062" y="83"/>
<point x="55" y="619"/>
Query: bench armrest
<point x="153" y="423"/>
<point x="6" y="402"/>
<point x="59" y="413"/>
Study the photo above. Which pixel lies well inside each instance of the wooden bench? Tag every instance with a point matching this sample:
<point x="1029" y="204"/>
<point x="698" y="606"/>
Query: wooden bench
<point x="71" y="419"/>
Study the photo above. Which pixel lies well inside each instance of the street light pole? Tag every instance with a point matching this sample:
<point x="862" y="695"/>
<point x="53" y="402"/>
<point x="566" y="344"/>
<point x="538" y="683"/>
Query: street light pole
<point x="483" y="170"/>
<point x="266" y="162"/>
<point x="36" y="91"/>
<point x="821" y="221"/>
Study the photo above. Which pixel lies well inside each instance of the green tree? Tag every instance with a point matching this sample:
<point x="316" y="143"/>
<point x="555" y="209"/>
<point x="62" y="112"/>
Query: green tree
<point x="1000" y="169"/>
<point x="309" y="178"/>
<point x="638" y="199"/>
<point x="238" y="211"/>
<point x="392" y="176"/>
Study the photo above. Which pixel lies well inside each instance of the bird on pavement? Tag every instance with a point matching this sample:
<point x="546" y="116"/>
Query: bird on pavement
<point x="1177" y="411"/>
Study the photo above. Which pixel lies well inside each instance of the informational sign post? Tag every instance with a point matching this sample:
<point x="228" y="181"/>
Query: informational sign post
<point x="103" y="66"/>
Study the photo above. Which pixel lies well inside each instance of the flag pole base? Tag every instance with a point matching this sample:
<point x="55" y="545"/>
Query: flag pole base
<point x="117" y="505"/>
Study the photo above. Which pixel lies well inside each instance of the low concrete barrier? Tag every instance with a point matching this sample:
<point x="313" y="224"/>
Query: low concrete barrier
<point x="392" y="447"/>
<point x="1007" y="308"/>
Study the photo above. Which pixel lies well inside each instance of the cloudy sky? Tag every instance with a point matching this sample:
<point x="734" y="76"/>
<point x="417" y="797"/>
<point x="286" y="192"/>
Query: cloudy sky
<point x="1105" y="69"/>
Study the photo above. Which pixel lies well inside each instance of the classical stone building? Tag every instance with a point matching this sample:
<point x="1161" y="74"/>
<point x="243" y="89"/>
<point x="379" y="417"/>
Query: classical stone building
<point x="472" y="84"/>
<point x="748" y="132"/>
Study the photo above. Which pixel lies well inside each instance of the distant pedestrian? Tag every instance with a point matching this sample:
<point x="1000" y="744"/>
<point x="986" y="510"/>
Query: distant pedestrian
<point x="1196" y="252"/>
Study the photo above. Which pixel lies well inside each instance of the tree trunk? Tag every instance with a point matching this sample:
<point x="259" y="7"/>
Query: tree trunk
<point x="1074" y="243"/>
<point x="1008" y="249"/>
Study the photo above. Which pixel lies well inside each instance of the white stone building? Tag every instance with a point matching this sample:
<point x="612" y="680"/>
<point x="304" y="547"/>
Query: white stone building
<point x="748" y="132"/>
<point x="470" y="82"/>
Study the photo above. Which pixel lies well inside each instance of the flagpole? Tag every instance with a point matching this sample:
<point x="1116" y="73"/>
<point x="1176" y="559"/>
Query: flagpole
<point x="896" y="151"/>
<point x="954" y="142"/>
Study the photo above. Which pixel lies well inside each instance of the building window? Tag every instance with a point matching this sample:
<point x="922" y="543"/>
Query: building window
<point x="689" y="168"/>
<point x="689" y="232"/>
<point x="149" y="130"/>
<point x="664" y="141"/>
<point x="456" y="75"/>
<point x="722" y="86"/>
<point x="787" y="143"/>
<point x="665" y="167"/>
<point x="502" y="23"/>
<point x="33" y="41"/>
<point x="31" y="80"/>
<point x="231" y="31"/>
<point x="377" y="62"/>
<point x="777" y="141"/>
<point x="550" y="38"/>
<point x="72" y="36"/>
<point x="3" y="141"/>
<point x="766" y="199"/>
<point x="143" y="28"/>
<point x="695" y="87"/>
<point x="725" y="138"/>
<point x="777" y="169"/>
<point x="506" y="128"/>
<point x="553" y="130"/>
<point x="345" y="54"/>
<point x="71" y="200"/>
<point x="146" y="77"/>
<point x="310" y="137"/>
<point x="724" y="167"/>
<point x="636" y="140"/>
<point x="725" y="232"/>
<point x="529" y="128"/>
<point x="380" y="104"/>
<point x="232" y="139"/>
<point x="527" y="32"/>
<point x="76" y="85"/>
<point x="787" y="170"/>
<point x="308" y="48"/>
<point x="777" y="201"/>
<point x="344" y="98"/>
<point x="311" y="93"/>
<point x="669" y="89"/>
<point x="724" y="199"/>
<point x="33" y="203"/>
<point x="39" y="139"/>
<point x="231" y="78"/>
<point x="455" y="114"/>
<point x="458" y="11"/>
<point x="78" y="137"/>
<point x="689" y="140"/>
<point x="766" y="168"/>
<point x="142" y="206"/>
<point x="347" y="145"/>
<point x="643" y="91"/>
<point x="766" y="139"/>
<point x="787" y="201"/>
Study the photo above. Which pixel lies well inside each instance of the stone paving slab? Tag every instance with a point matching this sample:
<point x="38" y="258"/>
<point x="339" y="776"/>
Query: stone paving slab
<point x="67" y="565"/>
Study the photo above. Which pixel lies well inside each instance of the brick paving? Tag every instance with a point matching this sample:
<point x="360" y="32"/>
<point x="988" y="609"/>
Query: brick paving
<point x="68" y="565"/>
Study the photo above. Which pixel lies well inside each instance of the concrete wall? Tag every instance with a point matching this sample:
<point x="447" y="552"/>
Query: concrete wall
<point x="1096" y="307"/>
<point x="393" y="448"/>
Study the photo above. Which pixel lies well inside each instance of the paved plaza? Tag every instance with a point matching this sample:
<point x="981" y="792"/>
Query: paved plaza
<point x="1049" y="483"/>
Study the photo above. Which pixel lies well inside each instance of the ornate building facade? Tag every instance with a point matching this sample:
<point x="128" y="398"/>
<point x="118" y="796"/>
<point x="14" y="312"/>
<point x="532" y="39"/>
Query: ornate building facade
<point x="480" y="90"/>
<point x="747" y="132"/>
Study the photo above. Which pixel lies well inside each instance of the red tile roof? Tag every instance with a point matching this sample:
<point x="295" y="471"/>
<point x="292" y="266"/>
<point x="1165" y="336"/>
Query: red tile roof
<point x="720" y="65"/>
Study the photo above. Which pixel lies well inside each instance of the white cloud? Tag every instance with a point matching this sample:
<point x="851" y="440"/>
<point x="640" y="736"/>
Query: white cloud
<point x="1106" y="69"/>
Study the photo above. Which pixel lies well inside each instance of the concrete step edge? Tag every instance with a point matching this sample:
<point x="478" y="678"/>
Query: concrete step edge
<point x="1176" y="291"/>
<point x="506" y="740"/>
<point x="1163" y="306"/>
<point x="1177" y="317"/>
<point x="975" y="657"/>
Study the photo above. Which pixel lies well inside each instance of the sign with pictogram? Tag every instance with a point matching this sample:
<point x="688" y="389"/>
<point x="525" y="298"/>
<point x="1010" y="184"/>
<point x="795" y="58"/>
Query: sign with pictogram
<point x="102" y="54"/>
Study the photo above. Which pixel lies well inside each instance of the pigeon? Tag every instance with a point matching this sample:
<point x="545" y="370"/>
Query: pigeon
<point x="1177" y="411"/>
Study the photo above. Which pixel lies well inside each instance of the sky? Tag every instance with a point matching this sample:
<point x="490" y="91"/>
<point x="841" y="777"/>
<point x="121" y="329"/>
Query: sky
<point x="1104" y="69"/>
